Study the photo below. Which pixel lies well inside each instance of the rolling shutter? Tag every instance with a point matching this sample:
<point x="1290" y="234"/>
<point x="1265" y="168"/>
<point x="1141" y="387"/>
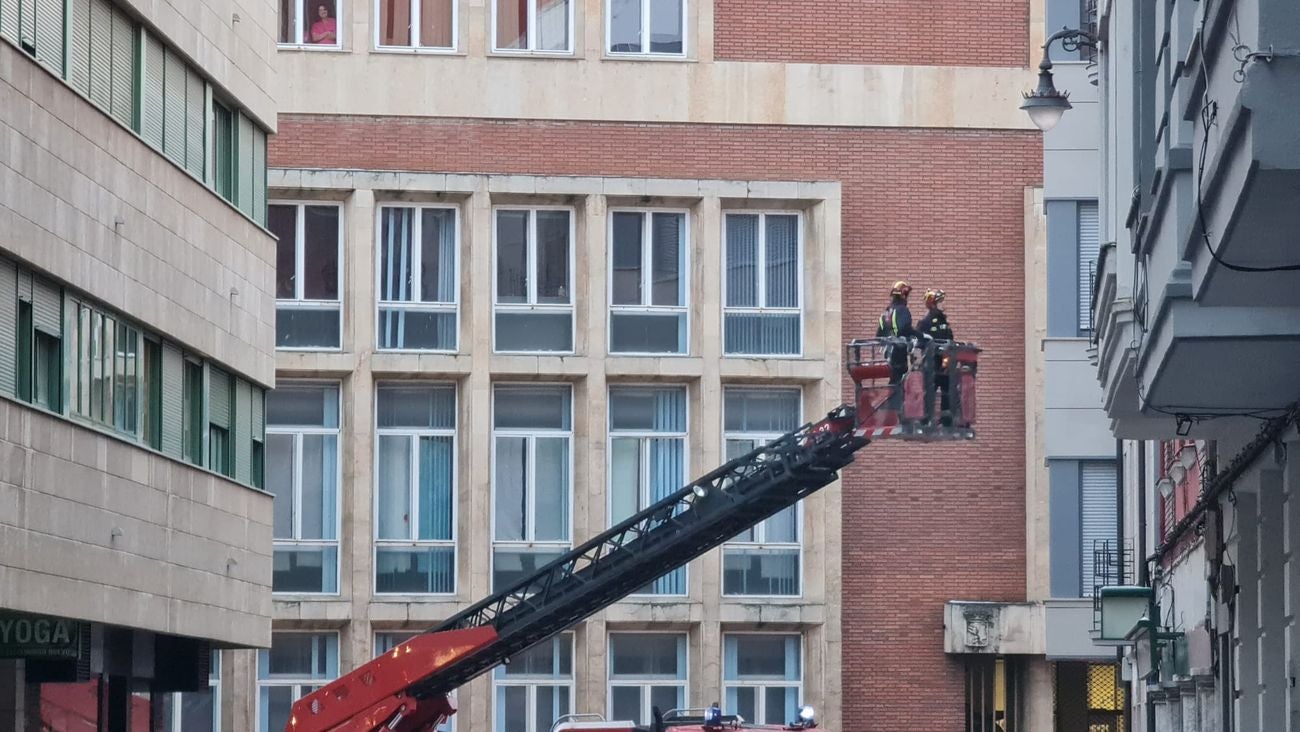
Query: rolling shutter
<point x="244" y="165"/>
<point x="26" y="22"/>
<point x="242" y="432"/>
<point x="49" y="33"/>
<point x="151" y="92"/>
<point x="195" y="112"/>
<point x="1089" y="249"/>
<point x="47" y="306"/>
<point x="259" y="176"/>
<point x="79" y="46"/>
<point x="258" y="417"/>
<point x="174" y="107"/>
<point x="173" y="400"/>
<point x="100" y="89"/>
<point x="219" y="397"/>
<point x="123" y="69"/>
<point x="1098" y="514"/>
<point x="9" y="19"/>
<point x="8" y="325"/>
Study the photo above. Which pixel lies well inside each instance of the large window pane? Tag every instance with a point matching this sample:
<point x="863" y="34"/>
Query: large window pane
<point x="512" y="24"/>
<point x="539" y="407"/>
<point x="769" y="411"/>
<point x="283" y="222"/>
<point x="509" y="485"/>
<point x="627" y="277"/>
<point x="552" y="500"/>
<point x="415" y="570"/>
<point x="436" y="23"/>
<point x="667" y="26"/>
<point x="553" y="257"/>
<point x="319" y="477"/>
<point x="667" y="258"/>
<point x="306" y="327"/>
<point x="308" y="311"/>
<point x="438" y="255"/>
<point x="394" y="470"/>
<point x="512" y="565"/>
<point x="553" y="25"/>
<point x="303" y="405"/>
<point x="782" y="261"/>
<point x="305" y="568"/>
<point x="417" y="406"/>
<point x="512" y="256"/>
<point x="321" y="252"/>
<point x="534" y="332"/>
<point x="624" y="35"/>
<point x="742" y="260"/>
<point x="395" y="23"/>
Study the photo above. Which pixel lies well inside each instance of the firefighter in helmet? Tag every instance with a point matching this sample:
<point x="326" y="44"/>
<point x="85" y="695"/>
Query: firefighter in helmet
<point x="896" y="322"/>
<point x="935" y="328"/>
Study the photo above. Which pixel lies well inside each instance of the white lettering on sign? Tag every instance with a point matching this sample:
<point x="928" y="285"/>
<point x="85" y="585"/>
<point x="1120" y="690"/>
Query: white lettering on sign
<point x="24" y="631"/>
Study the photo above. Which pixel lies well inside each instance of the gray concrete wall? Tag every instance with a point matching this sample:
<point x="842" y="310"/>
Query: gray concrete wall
<point x="89" y="202"/>
<point x="95" y="528"/>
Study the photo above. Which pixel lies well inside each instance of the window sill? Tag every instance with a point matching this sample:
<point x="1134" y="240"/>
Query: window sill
<point x="289" y="349"/>
<point x="421" y="51"/>
<point x="312" y="47"/>
<point x="651" y="57"/>
<point x="505" y="53"/>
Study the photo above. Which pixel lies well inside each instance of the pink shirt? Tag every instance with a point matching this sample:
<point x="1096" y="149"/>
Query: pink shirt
<point x="324" y="31"/>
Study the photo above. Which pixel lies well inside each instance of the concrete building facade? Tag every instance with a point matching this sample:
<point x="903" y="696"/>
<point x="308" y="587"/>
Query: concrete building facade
<point x="1195" y="315"/>
<point x="136" y="342"/>
<point x="540" y="260"/>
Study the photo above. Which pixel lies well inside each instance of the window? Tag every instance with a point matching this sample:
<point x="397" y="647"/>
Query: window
<point x="417" y="278"/>
<point x="308" y="278"/>
<point x="1089" y="250"/>
<point x="532" y="484"/>
<point x="173" y="106"/>
<point x="1098" y="521"/>
<point x="386" y="641"/>
<point x="39" y="346"/>
<point x="108" y="370"/>
<point x="534" y="286"/>
<point x="648" y="275"/>
<point x="415" y="518"/>
<point x="193" y="711"/>
<point x="648" y="27"/>
<point x="37" y="27"/>
<point x="221" y="406"/>
<point x="223" y="150"/>
<point x="535" y="688"/>
<point x="993" y="694"/>
<point x="239" y="161"/>
<point x="1083" y="519"/>
<point x="762" y="676"/>
<point x="302" y="470"/>
<point x="296" y="665"/>
<point x="416" y="24"/>
<point x="540" y="26"/>
<point x="762" y="285"/>
<point x="192" y="412"/>
<point x="766" y="559"/>
<point x="647" y="457"/>
<point x="646" y="670"/>
<point x="102" y="58"/>
<point x="310" y="23"/>
<point x="151" y="375"/>
<point x="1073" y="245"/>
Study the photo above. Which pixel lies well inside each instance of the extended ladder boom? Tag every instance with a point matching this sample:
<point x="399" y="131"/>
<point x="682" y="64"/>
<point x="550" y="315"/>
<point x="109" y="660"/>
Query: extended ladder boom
<point x="397" y="690"/>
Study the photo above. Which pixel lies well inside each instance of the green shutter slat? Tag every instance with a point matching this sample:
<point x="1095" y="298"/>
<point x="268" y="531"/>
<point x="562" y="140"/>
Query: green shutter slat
<point x="123" y="69"/>
<point x="173" y="399"/>
<point x="49" y="33"/>
<point x="259" y="413"/>
<point x="259" y="176"/>
<point x="219" y="397"/>
<point x="79" y="46"/>
<point x="244" y="166"/>
<point x="101" y="54"/>
<point x="47" y="306"/>
<point x="152" y="91"/>
<point x="26" y="22"/>
<point x="9" y="19"/>
<point x="174" y="107"/>
<point x="242" y="432"/>
<point x="8" y="323"/>
<point x="195" y="109"/>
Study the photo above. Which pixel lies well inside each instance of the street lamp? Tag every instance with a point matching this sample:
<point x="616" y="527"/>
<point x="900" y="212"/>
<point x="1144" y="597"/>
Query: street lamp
<point x="1045" y="104"/>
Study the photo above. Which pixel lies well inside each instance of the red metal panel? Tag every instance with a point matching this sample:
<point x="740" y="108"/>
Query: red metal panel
<point x="370" y="695"/>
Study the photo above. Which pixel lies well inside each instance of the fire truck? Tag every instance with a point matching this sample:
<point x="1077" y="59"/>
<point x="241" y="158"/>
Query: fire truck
<point x="408" y="688"/>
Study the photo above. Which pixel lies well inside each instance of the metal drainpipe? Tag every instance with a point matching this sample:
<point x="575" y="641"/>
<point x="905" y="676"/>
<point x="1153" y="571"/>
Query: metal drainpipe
<point x="1143" y="569"/>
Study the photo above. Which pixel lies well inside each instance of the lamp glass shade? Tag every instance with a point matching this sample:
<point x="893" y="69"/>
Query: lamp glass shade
<point x="1045" y="117"/>
<point x="1121" y="609"/>
<point x="1177" y="472"/>
<point x="1166" y="487"/>
<point x="1187" y="456"/>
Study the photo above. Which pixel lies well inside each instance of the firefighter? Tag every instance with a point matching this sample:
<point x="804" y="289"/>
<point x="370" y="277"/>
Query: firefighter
<point x="935" y="328"/>
<point x="896" y="322"/>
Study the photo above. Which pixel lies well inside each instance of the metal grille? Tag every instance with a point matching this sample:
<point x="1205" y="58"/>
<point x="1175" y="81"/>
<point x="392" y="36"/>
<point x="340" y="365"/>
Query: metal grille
<point x="1113" y="564"/>
<point x="1089" y="697"/>
<point x="993" y="694"/>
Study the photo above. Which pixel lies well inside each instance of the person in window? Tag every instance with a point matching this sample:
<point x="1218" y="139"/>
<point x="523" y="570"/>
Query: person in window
<point x="935" y="328"/>
<point x="325" y="29"/>
<point x="896" y="322"/>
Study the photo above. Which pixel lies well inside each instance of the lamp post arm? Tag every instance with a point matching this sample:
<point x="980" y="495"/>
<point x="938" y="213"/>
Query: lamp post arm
<point x="1072" y="39"/>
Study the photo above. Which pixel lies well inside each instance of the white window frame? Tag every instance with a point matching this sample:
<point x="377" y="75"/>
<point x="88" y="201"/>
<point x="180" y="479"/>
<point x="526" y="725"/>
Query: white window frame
<point x="297" y="432"/>
<point x="763" y="684"/>
<point x="531" y="434"/>
<point x="647" y="254"/>
<point x="413" y="434"/>
<point x="531" y="682"/>
<point x="762" y="278"/>
<point x="302" y="28"/>
<point x="415" y="47"/>
<point x="417" y="257"/>
<point x="646" y="53"/>
<point x="645" y="436"/>
<point x="301" y="685"/>
<point x="646" y="684"/>
<point x="532" y="49"/>
<point x="760" y="542"/>
<point x="532" y="306"/>
<point x="300" y="265"/>
<point x="450" y="724"/>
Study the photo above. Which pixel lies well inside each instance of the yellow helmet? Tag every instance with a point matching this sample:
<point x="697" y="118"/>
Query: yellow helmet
<point x="933" y="297"/>
<point x="901" y="289"/>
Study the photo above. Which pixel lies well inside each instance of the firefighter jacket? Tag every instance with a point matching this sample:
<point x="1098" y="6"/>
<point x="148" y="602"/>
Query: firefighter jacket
<point x="896" y="322"/>
<point x="935" y="326"/>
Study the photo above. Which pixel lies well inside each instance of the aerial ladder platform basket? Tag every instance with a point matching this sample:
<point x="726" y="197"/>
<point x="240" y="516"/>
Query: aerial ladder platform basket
<point x="408" y="688"/>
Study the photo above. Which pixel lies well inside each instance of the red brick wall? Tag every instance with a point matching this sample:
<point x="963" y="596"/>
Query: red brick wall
<point x="939" y="207"/>
<point x="922" y="32"/>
